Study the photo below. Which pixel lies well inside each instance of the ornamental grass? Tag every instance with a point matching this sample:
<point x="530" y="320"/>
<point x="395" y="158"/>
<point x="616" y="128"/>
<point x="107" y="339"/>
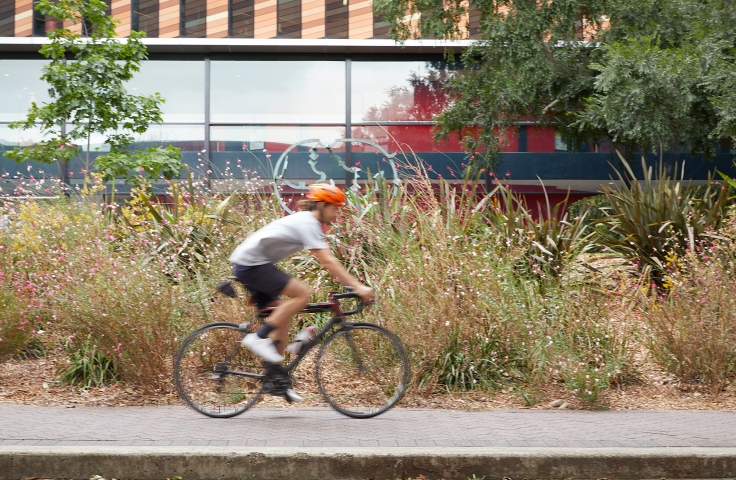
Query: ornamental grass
<point x="483" y="295"/>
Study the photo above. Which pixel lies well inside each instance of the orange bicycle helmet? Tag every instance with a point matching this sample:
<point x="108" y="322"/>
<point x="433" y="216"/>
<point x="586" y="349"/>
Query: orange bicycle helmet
<point x="324" y="192"/>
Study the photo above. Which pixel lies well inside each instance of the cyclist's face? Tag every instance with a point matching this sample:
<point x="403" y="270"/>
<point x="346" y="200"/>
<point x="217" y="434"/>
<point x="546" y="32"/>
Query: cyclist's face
<point x="328" y="212"/>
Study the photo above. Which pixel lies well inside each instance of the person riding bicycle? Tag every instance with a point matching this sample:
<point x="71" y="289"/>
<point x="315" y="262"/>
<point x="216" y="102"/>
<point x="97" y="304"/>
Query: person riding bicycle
<point x="254" y="266"/>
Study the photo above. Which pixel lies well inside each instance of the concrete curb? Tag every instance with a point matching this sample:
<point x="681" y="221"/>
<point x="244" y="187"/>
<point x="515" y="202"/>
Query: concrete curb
<point x="205" y="463"/>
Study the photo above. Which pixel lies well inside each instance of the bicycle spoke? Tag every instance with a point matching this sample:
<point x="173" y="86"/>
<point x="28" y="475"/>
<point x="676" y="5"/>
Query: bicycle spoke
<point x="362" y="371"/>
<point x="201" y="371"/>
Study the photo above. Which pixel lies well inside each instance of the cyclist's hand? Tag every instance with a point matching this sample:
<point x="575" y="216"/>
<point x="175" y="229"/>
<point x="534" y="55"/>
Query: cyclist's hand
<point x="367" y="294"/>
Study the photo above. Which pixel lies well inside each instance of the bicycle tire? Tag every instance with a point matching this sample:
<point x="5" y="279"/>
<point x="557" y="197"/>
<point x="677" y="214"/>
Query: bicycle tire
<point x="219" y="395"/>
<point x="362" y="370"/>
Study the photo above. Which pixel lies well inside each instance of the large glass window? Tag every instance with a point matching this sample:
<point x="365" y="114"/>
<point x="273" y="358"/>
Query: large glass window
<point x="21" y="85"/>
<point x="289" y="19"/>
<point x="399" y="91"/>
<point x="10" y="169"/>
<point x="254" y="151"/>
<point x="410" y="143"/>
<point x="241" y="18"/>
<point x="144" y="17"/>
<point x="188" y="138"/>
<point x="277" y="92"/>
<point x="180" y="83"/>
<point x="336" y="19"/>
<point x="193" y="18"/>
<point x="7" y="18"/>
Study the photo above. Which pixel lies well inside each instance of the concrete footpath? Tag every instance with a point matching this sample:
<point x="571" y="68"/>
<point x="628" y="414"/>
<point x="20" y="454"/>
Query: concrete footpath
<point x="317" y="443"/>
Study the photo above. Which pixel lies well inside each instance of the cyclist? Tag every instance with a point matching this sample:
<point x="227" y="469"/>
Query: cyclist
<point x="253" y="265"/>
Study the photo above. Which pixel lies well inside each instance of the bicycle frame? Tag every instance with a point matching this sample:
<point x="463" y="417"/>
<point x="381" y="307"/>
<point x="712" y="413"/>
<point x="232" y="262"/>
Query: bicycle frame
<point x="320" y="307"/>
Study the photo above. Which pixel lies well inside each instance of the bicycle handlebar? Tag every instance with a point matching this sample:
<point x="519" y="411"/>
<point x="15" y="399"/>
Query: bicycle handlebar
<point x="350" y="294"/>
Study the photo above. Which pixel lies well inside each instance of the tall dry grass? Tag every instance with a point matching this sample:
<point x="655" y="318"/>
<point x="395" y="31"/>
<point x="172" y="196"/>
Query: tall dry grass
<point x="483" y="295"/>
<point x="478" y="300"/>
<point x="692" y="322"/>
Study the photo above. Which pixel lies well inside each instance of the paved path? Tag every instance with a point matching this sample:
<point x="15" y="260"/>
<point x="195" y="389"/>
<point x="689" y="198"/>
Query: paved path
<point x="23" y="425"/>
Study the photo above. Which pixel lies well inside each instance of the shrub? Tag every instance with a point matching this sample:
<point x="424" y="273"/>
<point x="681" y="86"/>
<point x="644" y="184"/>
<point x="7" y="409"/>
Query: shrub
<point x="550" y="242"/>
<point x="658" y="217"/>
<point x="132" y="315"/>
<point x="182" y="236"/>
<point x="693" y="322"/>
<point x="86" y="364"/>
<point x="452" y="289"/>
<point x="16" y="326"/>
<point x="595" y="205"/>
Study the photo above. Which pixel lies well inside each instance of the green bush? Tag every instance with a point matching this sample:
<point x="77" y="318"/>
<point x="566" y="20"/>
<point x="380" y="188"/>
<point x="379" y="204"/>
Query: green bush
<point x="86" y="364"/>
<point x="659" y="216"/>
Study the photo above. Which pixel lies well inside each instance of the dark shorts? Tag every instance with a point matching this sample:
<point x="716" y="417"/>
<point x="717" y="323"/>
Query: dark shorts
<point x="265" y="282"/>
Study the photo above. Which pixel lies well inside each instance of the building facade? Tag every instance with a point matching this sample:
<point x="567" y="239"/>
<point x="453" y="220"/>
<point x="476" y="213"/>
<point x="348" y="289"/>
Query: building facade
<point x="246" y="79"/>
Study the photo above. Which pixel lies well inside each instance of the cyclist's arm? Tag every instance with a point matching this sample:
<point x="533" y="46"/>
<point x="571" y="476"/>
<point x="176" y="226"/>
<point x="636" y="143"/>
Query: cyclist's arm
<point x="336" y="269"/>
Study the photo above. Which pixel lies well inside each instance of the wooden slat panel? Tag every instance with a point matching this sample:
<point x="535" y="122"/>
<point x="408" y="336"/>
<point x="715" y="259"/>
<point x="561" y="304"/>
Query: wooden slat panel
<point x="361" y="19"/>
<point x="313" y="18"/>
<point x="265" y="19"/>
<point x="168" y="18"/>
<point x="121" y="11"/>
<point x="74" y="27"/>
<point x="217" y="18"/>
<point x="23" y="18"/>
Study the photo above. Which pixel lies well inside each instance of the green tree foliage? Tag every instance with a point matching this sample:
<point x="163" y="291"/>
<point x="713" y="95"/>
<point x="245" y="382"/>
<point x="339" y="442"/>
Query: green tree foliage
<point x="642" y="73"/>
<point x="86" y="78"/>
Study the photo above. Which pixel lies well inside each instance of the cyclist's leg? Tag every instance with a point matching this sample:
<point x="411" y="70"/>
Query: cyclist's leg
<point x="267" y="283"/>
<point x="280" y="318"/>
<point x="264" y="282"/>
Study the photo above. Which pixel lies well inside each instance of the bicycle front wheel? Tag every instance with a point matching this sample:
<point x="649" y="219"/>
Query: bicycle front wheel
<point x="215" y="374"/>
<point x="362" y="370"/>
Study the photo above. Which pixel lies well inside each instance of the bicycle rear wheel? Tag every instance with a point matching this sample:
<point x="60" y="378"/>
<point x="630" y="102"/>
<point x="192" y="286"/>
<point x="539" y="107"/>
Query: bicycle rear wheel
<point x="215" y="374"/>
<point x="362" y="370"/>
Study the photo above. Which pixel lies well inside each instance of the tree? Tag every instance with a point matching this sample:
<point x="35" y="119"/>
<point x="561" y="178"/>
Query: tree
<point x="86" y="78"/>
<point x="643" y="73"/>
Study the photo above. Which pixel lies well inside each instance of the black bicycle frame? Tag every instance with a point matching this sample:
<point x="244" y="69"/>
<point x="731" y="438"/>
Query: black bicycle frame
<point x="321" y="307"/>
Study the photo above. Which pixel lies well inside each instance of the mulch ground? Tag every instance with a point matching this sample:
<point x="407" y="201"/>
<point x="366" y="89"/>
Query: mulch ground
<point x="32" y="382"/>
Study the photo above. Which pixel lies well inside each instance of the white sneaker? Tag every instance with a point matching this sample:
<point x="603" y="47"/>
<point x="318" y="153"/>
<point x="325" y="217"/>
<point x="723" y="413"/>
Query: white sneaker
<point x="293" y="397"/>
<point x="263" y="347"/>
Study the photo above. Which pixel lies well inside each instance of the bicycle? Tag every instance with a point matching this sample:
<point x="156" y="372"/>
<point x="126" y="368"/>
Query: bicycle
<point x="362" y="369"/>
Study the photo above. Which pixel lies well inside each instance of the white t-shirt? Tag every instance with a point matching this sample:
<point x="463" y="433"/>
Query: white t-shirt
<point x="280" y="239"/>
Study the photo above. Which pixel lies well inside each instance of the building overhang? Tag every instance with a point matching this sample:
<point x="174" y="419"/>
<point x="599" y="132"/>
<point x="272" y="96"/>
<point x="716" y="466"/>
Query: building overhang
<point x="249" y="45"/>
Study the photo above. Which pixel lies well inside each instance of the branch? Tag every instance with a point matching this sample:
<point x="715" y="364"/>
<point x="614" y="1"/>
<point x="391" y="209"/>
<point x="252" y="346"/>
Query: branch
<point x="554" y="102"/>
<point x="550" y="54"/>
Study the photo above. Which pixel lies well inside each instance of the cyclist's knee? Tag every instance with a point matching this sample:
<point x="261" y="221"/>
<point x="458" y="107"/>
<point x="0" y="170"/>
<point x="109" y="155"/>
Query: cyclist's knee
<point x="298" y="289"/>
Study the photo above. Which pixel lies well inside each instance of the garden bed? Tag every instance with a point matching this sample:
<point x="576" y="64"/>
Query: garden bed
<point x="31" y="382"/>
